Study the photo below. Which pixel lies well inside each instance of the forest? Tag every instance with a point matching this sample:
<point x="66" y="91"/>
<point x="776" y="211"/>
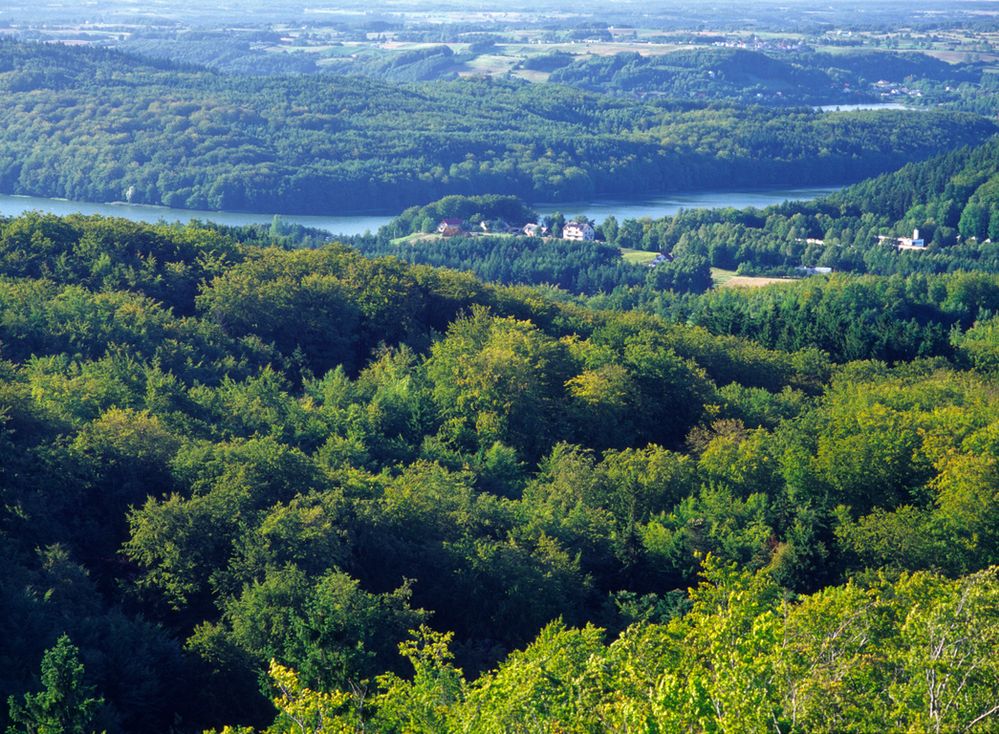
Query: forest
<point x="790" y="77"/>
<point x="750" y="77"/>
<point x="507" y="257"/>
<point x="97" y="125"/>
<point x="951" y="199"/>
<point x="589" y="269"/>
<point x="936" y="53"/>
<point x="248" y="487"/>
<point x="476" y="478"/>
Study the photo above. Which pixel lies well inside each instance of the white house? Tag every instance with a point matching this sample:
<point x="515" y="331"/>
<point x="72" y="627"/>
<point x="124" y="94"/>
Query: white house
<point x="904" y="243"/>
<point x="578" y="231"/>
<point x="915" y="243"/>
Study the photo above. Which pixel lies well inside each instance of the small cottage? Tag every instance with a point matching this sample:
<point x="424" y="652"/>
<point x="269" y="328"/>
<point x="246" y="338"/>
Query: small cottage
<point x="449" y="227"/>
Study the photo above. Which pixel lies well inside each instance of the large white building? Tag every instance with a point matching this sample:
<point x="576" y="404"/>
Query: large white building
<point x="904" y="243"/>
<point x="578" y="231"/>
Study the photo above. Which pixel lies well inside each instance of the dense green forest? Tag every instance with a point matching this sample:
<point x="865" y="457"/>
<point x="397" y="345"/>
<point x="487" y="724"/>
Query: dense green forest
<point x="306" y="490"/>
<point x="787" y="73"/>
<point x="588" y="269"/>
<point x="228" y="52"/>
<point x="97" y="125"/>
<point x="952" y="199"/>
<point x="254" y="480"/>
<point x="752" y="77"/>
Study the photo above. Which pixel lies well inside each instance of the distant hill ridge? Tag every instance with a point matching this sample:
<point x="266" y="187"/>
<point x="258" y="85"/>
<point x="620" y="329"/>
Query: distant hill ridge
<point x="734" y="74"/>
<point x="95" y="125"/>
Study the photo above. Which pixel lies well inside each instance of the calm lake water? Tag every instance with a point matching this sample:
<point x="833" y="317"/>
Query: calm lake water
<point x="866" y="106"/>
<point x="658" y="206"/>
<point x="13" y="205"/>
<point x="661" y="206"/>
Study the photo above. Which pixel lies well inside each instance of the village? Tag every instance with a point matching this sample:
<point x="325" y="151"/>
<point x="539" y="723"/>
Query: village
<point x="572" y="231"/>
<point x="582" y="230"/>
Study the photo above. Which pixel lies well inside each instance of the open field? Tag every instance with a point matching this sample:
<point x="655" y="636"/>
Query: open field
<point x="729" y="279"/>
<point x="411" y="239"/>
<point x="416" y="237"/>
<point x="637" y="257"/>
<point x="489" y="64"/>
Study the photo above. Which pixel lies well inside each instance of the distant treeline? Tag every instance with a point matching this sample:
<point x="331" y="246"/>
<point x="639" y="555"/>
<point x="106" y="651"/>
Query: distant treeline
<point x="101" y="126"/>
<point x="951" y="199"/>
<point x="789" y="78"/>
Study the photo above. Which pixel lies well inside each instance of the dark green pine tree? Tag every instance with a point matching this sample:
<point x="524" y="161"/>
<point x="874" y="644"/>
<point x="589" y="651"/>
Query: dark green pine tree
<point x="65" y="705"/>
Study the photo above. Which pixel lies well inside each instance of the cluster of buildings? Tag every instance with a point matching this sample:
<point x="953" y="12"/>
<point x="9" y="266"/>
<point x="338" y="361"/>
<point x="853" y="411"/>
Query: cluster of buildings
<point x="574" y="231"/>
<point x="755" y="43"/>
<point x="889" y="89"/>
<point x="904" y="243"/>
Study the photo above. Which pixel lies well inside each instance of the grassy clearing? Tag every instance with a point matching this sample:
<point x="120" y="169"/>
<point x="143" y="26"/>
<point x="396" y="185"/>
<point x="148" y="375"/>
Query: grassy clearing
<point x="530" y="75"/>
<point x="490" y="64"/>
<point x="730" y="279"/>
<point x="721" y="277"/>
<point x="637" y="257"/>
<point x="412" y="239"/>
<point x="753" y="281"/>
<point x="416" y="237"/>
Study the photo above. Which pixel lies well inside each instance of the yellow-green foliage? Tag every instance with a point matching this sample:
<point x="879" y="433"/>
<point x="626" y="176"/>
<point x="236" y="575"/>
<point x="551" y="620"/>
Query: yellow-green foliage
<point x="915" y="654"/>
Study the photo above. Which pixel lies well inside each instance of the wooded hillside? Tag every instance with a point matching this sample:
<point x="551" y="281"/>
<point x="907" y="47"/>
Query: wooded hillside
<point x="97" y="125"/>
<point x="217" y="455"/>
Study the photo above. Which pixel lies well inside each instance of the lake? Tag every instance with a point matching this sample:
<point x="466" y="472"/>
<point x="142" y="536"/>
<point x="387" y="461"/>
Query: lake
<point x="661" y="206"/>
<point x="657" y="206"/>
<point x="14" y="205"/>
<point x="866" y="106"/>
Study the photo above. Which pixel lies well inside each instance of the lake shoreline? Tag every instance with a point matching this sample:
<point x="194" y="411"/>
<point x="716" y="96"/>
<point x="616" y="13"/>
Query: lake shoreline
<point x="599" y="208"/>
